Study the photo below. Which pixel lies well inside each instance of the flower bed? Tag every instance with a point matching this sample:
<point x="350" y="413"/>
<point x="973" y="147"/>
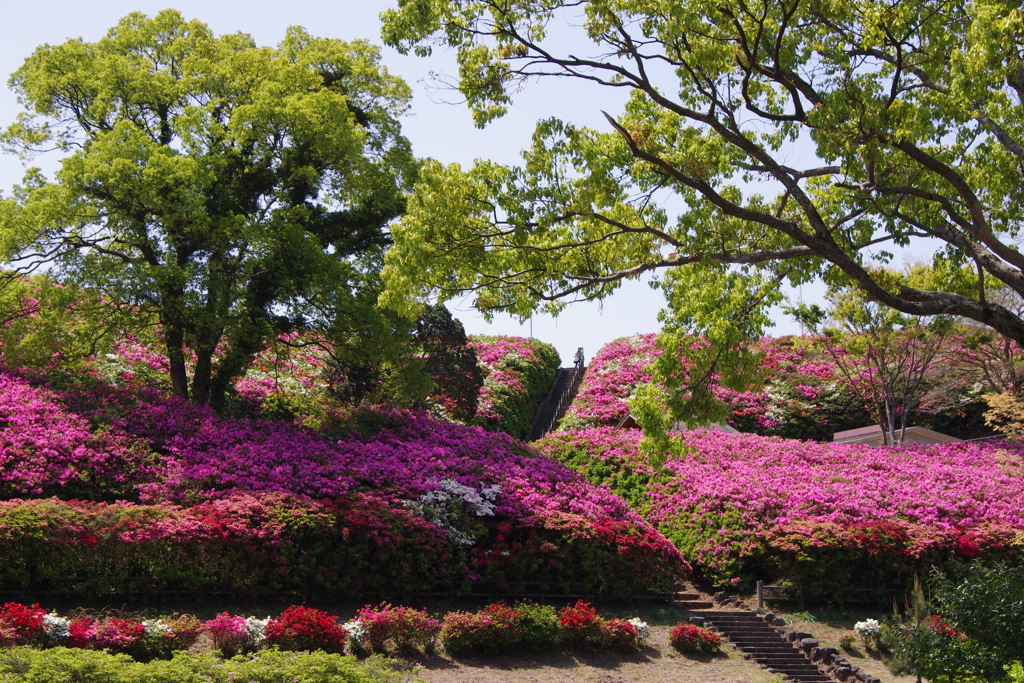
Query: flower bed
<point x="255" y="507"/>
<point x="498" y="627"/>
<point x="746" y="506"/>
<point x="614" y="372"/>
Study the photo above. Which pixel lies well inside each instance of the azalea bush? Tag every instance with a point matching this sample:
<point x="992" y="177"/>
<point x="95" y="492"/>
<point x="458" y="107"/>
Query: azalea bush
<point x="583" y="627"/>
<point x="387" y="628"/>
<point x="837" y="517"/>
<point x="21" y="624"/>
<point x="304" y="628"/>
<point x="518" y="372"/>
<point x="690" y="639"/>
<point x="581" y="624"/>
<point x="228" y="633"/>
<point x="500" y="628"/>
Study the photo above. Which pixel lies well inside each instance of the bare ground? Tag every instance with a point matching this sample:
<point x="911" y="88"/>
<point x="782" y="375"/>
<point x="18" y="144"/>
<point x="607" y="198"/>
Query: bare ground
<point x="657" y="663"/>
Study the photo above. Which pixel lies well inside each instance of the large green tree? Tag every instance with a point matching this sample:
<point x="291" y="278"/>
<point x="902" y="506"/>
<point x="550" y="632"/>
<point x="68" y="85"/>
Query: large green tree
<point x="764" y="141"/>
<point x="233" y="191"/>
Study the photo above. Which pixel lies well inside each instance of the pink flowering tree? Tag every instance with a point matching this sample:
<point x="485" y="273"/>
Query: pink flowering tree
<point x="883" y="356"/>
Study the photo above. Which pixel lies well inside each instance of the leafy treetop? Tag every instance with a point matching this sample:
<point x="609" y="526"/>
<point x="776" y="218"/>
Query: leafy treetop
<point x="231" y="191"/>
<point x="763" y="142"/>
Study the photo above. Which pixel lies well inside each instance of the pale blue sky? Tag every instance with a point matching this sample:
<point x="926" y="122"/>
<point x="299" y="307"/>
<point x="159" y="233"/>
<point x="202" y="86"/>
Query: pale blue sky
<point x="436" y="128"/>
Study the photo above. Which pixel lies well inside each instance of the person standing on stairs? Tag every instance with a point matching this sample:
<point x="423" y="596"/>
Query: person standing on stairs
<point x="578" y="358"/>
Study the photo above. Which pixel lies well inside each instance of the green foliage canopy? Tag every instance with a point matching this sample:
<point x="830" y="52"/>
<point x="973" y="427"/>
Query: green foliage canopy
<point x="234" y="191"/>
<point x="763" y="142"/>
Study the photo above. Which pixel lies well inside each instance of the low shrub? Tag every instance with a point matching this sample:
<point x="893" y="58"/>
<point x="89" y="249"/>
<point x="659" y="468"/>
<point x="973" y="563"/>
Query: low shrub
<point x="305" y="628"/>
<point x="499" y="627"/>
<point x="847" y="640"/>
<point x="27" y="665"/>
<point x="581" y="625"/>
<point x="386" y="628"/>
<point x="228" y="632"/>
<point x="870" y="632"/>
<point x="690" y="639"/>
<point x="622" y="635"/>
<point x="21" y="625"/>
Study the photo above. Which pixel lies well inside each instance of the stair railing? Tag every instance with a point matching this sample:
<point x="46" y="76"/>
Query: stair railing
<point x="568" y="394"/>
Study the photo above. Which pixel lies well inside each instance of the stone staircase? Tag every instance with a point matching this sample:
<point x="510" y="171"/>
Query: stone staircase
<point x="559" y="398"/>
<point x="765" y="639"/>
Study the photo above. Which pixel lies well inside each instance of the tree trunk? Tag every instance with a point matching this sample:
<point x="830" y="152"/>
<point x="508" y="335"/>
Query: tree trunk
<point x="235" y="362"/>
<point x="174" y="341"/>
<point x="201" y="377"/>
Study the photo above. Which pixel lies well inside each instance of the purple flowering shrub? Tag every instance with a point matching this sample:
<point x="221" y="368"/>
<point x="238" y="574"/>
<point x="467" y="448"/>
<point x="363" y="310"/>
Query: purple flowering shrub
<point x="46" y="449"/>
<point x="518" y="372"/>
<point x="255" y="507"/>
<point x="746" y="506"/>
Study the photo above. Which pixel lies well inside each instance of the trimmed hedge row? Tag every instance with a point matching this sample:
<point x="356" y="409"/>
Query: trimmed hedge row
<point x="25" y="665"/>
<point x="285" y="545"/>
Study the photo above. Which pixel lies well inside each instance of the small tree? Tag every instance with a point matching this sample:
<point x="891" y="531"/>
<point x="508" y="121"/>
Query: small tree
<point x="985" y="601"/>
<point x="450" y="361"/>
<point x="883" y="356"/>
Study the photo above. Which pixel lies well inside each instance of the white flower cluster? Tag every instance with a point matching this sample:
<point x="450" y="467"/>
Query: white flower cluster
<point x="56" y="628"/>
<point x="355" y="629"/>
<point x="448" y="504"/>
<point x="254" y="630"/>
<point x="643" y="628"/>
<point x="481" y="503"/>
<point x="868" y="627"/>
<point x="155" y="628"/>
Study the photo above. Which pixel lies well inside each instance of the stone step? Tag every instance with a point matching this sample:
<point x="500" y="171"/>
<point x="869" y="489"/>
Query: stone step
<point x="689" y="595"/>
<point x="761" y="643"/>
<point x="692" y="605"/>
<point x="805" y="678"/>
<point x="763" y="648"/>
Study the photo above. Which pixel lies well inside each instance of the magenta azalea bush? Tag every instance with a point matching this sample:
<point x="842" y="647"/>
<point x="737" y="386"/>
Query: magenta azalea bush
<point x="518" y="372"/>
<point x="612" y="376"/>
<point x="745" y="506"/>
<point x="185" y="499"/>
<point x="387" y="628"/>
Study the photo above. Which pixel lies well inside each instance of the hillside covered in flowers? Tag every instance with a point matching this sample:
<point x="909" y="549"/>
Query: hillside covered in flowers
<point x="799" y="390"/>
<point x="119" y="488"/>
<point x="830" y="517"/>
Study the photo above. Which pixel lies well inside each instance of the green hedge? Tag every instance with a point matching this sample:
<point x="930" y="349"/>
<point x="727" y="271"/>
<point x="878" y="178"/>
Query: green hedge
<point x="22" y="664"/>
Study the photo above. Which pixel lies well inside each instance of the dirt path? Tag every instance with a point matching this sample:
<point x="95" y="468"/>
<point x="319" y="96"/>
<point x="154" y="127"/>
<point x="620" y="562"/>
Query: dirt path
<point x="657" y="663"/>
